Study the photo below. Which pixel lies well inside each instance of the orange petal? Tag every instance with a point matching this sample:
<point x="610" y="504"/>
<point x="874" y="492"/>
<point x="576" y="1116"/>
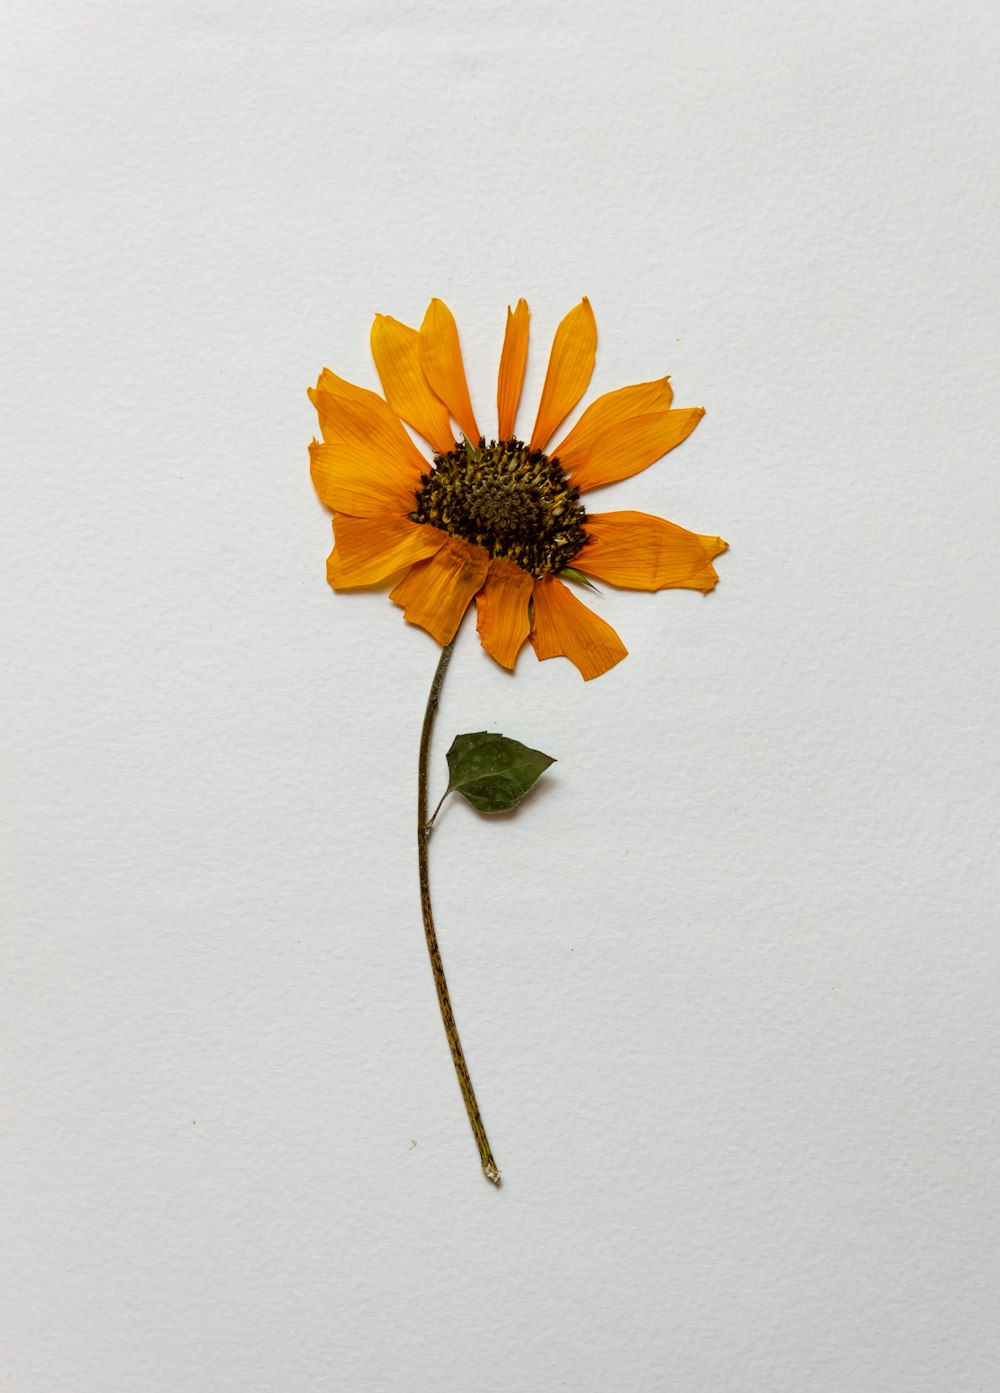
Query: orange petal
<point x="512" y="361"/>
<point x="352" y="480"/>
<point x="441" y="361"/>
<point x="368" y="550"/>
<point x="437" y="592"/>
<point x="613" y="409"/>
<point x="641" y="552"/>
<point x="502" y="610"/>
<point x="374" y="432"/>
<point x="395" y="348"/>
<point x="570" y="364"/>
<point x="566" y="628"/>
<point x="330" y="389"/>
<point x="634" y="445"/>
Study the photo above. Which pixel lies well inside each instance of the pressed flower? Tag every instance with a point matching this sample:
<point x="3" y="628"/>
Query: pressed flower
<point x="498" y="521"/>
<point x="501" y="524"/>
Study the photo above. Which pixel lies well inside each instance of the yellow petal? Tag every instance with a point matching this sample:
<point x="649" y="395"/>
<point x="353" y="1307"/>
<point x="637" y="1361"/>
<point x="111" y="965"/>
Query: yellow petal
<point x="352" y="480"/>
<point x="566" y="628"/>
<point x="634" y="445"/>
<point x="441" y="362"/>
<point x="613" y="409"/>
<point x="502" y="610"/>
<point x="512" y="361"/>
<point x="368" y="550"/>
<point x="395" y="348"/>
<point x="642" y="552"/>
<point x="375" y="433"/>
<point x="437" y="592"/>
<point x="330" y="389"/>
<point x="571" y="363"/>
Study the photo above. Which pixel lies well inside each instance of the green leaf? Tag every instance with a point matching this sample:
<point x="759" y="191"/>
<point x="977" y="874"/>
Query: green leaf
<point x="492" y="772"/>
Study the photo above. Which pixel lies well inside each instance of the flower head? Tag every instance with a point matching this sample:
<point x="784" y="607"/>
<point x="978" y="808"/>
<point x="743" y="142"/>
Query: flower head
<point x="499" y="520"/>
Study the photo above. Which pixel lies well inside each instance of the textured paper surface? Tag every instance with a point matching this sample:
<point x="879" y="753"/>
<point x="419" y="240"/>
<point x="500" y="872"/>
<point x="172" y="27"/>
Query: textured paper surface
<point x="727" y="982"/>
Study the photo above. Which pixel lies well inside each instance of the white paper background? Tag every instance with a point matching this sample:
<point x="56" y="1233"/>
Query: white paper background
<point x="728" y="983"/>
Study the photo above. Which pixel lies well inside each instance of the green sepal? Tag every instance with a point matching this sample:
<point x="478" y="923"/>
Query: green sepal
<point x="568" y="573"/>
<point x="492" y="772"/>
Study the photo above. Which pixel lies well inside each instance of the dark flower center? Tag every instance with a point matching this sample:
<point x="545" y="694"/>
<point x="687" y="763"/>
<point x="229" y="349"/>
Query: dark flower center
<point x="514" y="502"/>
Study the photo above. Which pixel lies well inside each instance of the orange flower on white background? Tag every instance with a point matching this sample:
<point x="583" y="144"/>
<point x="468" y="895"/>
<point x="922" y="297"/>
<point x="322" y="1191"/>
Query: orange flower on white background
<point x="499" y="521"/>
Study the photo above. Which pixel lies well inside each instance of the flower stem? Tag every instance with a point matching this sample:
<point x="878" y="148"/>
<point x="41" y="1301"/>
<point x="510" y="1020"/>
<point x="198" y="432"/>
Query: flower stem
<point x="490" y="1169"/>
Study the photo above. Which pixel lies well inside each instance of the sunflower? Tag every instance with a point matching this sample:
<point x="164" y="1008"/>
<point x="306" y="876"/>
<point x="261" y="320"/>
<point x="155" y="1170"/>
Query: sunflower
<point x="498" y="521"/>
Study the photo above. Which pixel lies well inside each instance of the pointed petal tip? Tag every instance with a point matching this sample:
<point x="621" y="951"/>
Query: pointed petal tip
<point x="714" y="546"/>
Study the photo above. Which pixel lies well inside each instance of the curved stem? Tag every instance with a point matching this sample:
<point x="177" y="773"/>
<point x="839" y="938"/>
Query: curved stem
<point x="490" y="1169"/>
